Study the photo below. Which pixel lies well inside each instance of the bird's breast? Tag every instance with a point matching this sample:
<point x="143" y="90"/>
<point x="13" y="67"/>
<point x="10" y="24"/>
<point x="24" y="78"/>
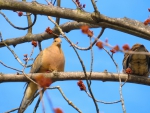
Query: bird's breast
<point x="138" y="57"/>
<point x="53" y="60"/>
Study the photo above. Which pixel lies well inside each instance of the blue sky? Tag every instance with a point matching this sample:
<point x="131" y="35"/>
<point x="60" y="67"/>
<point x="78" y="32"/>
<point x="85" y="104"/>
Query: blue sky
<point x="136" y="96"/>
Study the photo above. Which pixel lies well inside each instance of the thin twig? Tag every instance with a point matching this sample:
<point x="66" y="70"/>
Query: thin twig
<point x="94" y="6"/>
<point x="50" y="102"/>
<point x="54" y="3"/>
<point x="39" y="99"/>
<point x="28" y="58"/>
<point x="32" y="52"/>
<point x="25" y="67"/>
<point x="20" y="28"/>
<point x="124" y="51"/>
<point x="115" y="64"/>
<point x="12" y="110"/>
<point x="83" y="67"/>
<point x="125" y="81"/>
<point x="134" y="52"/>
<point x="16" y="57"/>
<point x="121" y="96"/>
<point x="111" y="56"/>
<point x="96" y="39"/>
<point x="76" y="4"/>
<point x="29" y="78"/>
<point x="120" y="86"/>
<point x="103" y="101"/>
<point x="69" y="102"/>
<point x="88" y="48"/>
<point x="9" y="67"/>
<point x="41" y="95"/>
<point x="39" y="45"/>
<point x="37" y="105"/>
<point x="29" y="22"/>
<point x="49" y="3"/>
<point x="91" y="68"/>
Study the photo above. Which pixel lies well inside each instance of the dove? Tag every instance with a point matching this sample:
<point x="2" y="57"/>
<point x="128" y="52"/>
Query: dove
<point x="49" y="60"/>
<point x="138" y="63"/>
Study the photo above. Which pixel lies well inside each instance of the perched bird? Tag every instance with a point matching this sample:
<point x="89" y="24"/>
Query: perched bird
<point x="49" y="60"/>
<point x="138" y="63"/>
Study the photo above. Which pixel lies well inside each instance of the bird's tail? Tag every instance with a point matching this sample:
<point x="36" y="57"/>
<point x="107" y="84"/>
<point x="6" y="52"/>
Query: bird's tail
<point x="28" y="96"/>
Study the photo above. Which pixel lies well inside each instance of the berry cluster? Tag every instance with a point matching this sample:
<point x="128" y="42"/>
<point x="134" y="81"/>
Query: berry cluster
<point x="147" y="21"/>
<point x="81" y="85"/>
<point x="48" y="30"/>
<point x="34" y="43"/>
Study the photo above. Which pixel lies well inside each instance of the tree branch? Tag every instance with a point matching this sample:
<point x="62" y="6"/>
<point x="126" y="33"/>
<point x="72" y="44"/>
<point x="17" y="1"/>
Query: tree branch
<point x="64" y="76"/>
<point x="121" y="24"/>
<point x="44" y="36"/>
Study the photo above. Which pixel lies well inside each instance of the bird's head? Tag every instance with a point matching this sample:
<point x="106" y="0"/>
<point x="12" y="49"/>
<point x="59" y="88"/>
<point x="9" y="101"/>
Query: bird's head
<point x="57" y="41"/>
<point x="138" y="48"/>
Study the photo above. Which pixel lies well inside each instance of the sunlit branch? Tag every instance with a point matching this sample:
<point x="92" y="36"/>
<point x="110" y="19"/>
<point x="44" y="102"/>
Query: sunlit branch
<point x="29" y="22"/>
<point x="121" y="24"/>
<point x="65" y="76"/>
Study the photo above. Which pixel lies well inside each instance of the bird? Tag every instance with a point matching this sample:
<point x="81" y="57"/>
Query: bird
<point x="49" y="60"/>
<point x="138" y="63"/>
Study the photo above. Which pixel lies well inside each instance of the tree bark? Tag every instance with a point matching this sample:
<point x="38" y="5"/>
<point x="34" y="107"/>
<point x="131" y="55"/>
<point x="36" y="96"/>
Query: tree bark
<point x="121" y="24"/>
<point x="64" y="76"/>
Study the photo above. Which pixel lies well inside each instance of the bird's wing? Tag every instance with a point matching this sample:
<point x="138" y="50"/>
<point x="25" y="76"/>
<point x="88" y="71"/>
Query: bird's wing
<point x="125" y="61"/>
<point x="31" y="87"/>
<point x="37" y="63"/>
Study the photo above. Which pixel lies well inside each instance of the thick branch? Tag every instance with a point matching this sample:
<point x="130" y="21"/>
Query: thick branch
<point x="121" y="24"/>
<point x="44" y="36"/>
<point x="63" y="76"/>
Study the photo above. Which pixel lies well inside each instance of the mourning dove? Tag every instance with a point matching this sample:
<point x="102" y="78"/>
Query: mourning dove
<point x="49" y="60"/>
<point x="138" y="63"/>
